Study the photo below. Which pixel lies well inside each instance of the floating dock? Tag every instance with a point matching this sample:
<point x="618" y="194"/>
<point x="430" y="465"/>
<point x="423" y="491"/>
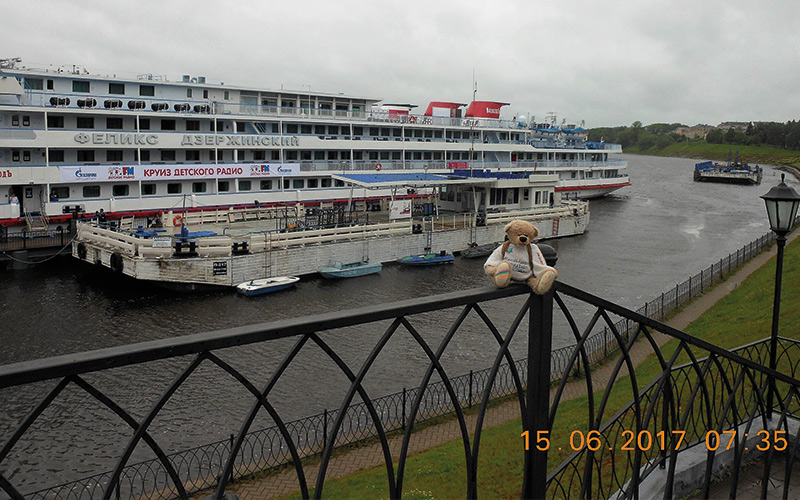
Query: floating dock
<point x="226" y="248"/>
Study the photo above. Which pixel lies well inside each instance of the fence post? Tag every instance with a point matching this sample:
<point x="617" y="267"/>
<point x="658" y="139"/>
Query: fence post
<point x="537" y="408"/>
<point x="470" y="388"/>
<point x="690" y="288"/>
<point x="325" y="427"/>
<point x="404" y="407"/>
<point x="676" y="296"/>
<point x="230" y="478"/>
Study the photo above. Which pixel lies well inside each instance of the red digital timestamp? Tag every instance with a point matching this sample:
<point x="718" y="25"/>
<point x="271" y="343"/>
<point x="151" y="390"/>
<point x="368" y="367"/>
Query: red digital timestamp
<point x="644" y="440"/>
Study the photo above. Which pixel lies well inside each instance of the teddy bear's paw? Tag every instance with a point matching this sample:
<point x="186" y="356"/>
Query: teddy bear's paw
<point x="503" y="275"/>
<point x="545" y="281"/>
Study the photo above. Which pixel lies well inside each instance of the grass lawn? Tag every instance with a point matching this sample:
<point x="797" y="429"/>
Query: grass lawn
<point x="741" y="317"/>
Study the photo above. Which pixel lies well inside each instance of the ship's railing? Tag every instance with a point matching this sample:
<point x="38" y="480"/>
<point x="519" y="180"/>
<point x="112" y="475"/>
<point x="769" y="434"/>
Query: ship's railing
<point x="323" y="111"/>
<point x="702" y="398"/>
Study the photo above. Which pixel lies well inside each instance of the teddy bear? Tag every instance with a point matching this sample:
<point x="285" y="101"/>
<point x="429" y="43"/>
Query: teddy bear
<point x="519" y="259"/>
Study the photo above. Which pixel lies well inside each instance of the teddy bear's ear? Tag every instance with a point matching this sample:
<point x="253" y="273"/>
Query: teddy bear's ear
<point x="535" y="232"/>
<point x="508" y="226"/>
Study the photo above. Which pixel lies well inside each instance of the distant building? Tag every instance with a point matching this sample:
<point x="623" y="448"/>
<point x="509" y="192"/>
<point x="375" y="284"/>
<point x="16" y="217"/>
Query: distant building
<point x="697" y="132"/>
<point x="736" y="126"/>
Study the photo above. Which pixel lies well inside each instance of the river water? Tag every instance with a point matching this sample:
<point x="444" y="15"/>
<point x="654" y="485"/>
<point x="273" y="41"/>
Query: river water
<point x="641" y="241"/>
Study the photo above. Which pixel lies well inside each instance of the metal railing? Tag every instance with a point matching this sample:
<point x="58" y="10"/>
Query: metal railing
<point x="44" y="238"/>
<point x="717" y="391"/>
<point x="198" y="464"/>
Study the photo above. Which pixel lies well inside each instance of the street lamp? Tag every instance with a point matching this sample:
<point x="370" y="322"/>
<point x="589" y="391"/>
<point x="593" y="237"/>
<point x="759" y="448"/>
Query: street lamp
<point x="782" y="202"/>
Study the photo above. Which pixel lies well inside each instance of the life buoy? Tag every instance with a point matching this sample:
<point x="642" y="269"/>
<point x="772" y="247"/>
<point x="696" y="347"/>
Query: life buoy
<point x="378" y="166"/>
<point x="115" y="262"/>
<point x="177" y="220"/>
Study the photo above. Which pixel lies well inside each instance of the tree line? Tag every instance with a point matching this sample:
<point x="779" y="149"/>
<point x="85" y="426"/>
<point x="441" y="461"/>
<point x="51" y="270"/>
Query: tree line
<point x="660" y="135"/>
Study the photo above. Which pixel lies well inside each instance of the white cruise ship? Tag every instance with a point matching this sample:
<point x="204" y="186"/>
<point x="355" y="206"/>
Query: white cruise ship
<point x="75" y="142"/>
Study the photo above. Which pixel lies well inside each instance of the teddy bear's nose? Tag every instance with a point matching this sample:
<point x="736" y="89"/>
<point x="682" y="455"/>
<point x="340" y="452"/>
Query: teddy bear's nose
<point x="523" y="239"/>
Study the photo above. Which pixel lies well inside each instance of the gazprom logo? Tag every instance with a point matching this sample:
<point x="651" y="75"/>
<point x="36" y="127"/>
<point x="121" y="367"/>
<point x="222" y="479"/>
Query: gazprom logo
<point x="88" y="175"/>
<point x="284" y="170"/>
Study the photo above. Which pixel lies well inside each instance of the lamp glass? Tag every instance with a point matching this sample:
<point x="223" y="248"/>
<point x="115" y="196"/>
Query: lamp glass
<point x="782" y="203"/>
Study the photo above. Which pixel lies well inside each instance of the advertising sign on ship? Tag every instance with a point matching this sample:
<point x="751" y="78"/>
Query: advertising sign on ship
<point x="95" y="173"/>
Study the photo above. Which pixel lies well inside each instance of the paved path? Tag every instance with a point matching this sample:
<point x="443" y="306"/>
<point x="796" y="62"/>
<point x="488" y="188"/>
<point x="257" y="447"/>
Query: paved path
<point x="372" y="455"/>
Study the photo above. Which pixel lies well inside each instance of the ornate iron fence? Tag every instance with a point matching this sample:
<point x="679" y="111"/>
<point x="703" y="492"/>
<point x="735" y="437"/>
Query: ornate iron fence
<point x="265" y="448"/>
<point x="716" y="391"/>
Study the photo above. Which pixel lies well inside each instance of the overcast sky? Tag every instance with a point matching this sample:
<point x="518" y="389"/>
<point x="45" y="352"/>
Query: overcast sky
<point x="606" y="62"/>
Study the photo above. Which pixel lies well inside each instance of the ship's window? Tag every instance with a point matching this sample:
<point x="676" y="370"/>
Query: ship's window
<point x="297" y="183"/>
<point x="192" y="125"/>
<point x="114" y="123"/>
<point x="167" y="124"/>
<point x="26" y="156"/>
<point x="536" y="196"/>
<point x="305" y="129"/>
<point x="339" y="183"/>
<point x="239" y="126"/>
<point x="80" y="86"/>
<point x="291" y="128"/>
<point x="61" y="192"/>
<point x="226" y="95"/>
<point x="223" y="186"/>
<point x="148" y="189"/>
<point x="116" y="88"/>
<point x="260" y="155"/>
<point x="174" y="188"/>
<point x="35" y="83"/>
<point x="198" y="187"/>
<point x="50" y="84"/>
<point x="312" y="183"/>
<point x="15" y="155"/>
<point x="144" y="123"/>
<point x="145" y="155"/>
<point x="244" y="185"/>
<point x="266" y="185"/>
<point x="120" y="190"/>
<point x="167" y="155"/>
<point x="276" y="155"/>
<point x="205" y="94"/>
<point x="85" y="122"/>
<point x="319" y="129"/>
<point x="188" y="92"/>
<point x="358" y="131"/>
<point x="193" y="155"/>
<point x="91" y="191"/>
<point x="286" y="183"/>
<point x="147" y="90"/>
<point x="114" y="155"/>
<point x="55" y="121"/>
<point x="319" y="155"/>
<point x="56" y="155"/>
<point x="326" y="183"/>
<point x="86" y="155"/>
<point x="15" y="120"/>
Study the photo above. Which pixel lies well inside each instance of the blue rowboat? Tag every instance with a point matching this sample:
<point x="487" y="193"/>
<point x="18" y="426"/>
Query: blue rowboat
<point x="350" y="270"/>
<point x="266" y="285"/>
<point x="428" y="259"/>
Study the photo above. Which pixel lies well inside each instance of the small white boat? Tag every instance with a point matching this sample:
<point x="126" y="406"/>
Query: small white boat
<point x="266" y="285"/>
